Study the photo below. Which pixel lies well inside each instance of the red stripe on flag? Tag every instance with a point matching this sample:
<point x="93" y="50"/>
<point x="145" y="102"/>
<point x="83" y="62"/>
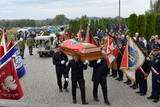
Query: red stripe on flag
<point x="124" y="63"/>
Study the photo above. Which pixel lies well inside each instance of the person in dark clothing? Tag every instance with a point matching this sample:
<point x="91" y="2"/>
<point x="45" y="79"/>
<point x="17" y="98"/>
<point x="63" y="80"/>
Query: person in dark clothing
<point x="77" y="76"/>
<point x="60" y="60"/>
<point x="143" y="71"/>
<point x="138" y="74"/>
<point x="154" y="63"/>
<point x="100" y="72"/>
<point x="119" y="58"/>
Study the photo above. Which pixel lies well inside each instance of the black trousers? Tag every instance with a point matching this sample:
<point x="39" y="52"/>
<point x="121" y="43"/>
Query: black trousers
<point x="103" y="84"/>
<point x="120" y="73"/>
<point x="82" y="89"/>
<point x="155" y="87"/>
<point x="30" y="49"/>
<point x="114" y="72"/>
<point x="59" y="79"/>
<point x="143" y="85"/>
<point x="137" y="77"/>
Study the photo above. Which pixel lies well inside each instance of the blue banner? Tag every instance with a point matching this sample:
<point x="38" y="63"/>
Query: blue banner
<point x="20" y="68"/>
<point x="9" y="54"/>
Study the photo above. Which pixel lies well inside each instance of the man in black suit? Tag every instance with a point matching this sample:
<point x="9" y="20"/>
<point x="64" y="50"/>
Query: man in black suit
<point x="59" y="60"/>
<point x="77" y="68"/>
<point x="100" y="72"/>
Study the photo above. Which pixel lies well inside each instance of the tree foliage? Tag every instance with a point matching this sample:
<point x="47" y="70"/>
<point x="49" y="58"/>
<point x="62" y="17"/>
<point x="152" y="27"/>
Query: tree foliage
<point x="133" y="24"/>
<point x="150" y="25"/>
<point x="157" y="25"/>
<point x="156" y="7"/>
<point x="142" y="25"/>
<point x="60" y="20"/>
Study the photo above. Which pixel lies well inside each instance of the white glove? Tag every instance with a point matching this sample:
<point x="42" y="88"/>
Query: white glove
<point x="86" y="62"/>
<point x="62" y="62"/>
<point x="98" y="61"/>
<point x="67" y="79"/>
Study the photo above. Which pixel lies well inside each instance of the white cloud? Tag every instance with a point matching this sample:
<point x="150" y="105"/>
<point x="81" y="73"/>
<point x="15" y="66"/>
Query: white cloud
<point x="71" y="8"/>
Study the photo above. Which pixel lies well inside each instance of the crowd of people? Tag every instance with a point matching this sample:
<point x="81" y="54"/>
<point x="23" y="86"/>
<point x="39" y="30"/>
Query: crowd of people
<point x="101" y="70"/>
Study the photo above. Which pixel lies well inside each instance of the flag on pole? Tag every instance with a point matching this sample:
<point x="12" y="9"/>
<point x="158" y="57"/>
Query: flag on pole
<point x="9" y="54"/>
<point x="3" y="42"/>
<point x="111" y="50"/>
<point x="10" y="87"/>
<point x="132" y="59"/>
<point x="89" y="38"/>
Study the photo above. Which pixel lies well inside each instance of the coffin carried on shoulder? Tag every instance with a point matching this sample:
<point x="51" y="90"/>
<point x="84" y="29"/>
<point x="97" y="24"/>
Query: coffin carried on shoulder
<point x="86" y="51"/>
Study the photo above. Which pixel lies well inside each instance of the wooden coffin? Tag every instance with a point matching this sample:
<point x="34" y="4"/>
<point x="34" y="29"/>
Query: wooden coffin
<point x="86" y="51"/>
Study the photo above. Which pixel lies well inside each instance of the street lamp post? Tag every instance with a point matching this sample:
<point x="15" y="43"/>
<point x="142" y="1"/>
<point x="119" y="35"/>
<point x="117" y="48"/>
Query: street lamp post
<point x="119" y="12"/>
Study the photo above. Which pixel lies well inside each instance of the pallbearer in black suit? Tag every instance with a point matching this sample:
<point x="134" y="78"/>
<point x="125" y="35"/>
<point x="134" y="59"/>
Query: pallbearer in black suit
<point x="77" y="68"/>
<point x="59" y="60"/>
<point x="100" y="72"/>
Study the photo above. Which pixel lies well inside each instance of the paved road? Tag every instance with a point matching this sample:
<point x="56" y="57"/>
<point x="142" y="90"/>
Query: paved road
<point x="40" y="89"/>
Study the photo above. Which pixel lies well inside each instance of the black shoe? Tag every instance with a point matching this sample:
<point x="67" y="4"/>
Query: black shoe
<point x="117" y="78"/>
<point x="107" y="103"/>
<point x="132" y="86"/>
<point x="85" y="103"/>
<point x="142" y="94"/>
<point x="66" y="90"/>
<point x="156" y="100"/>
<point x="129" y="83"/>
<point x="111" y="75"/>
<point x="135" y="87"/>
<point x="31" y="54"/>
<point x="114" y="76"/>
<point x="96" y="99"/>
<point x="150" y="97"/>
<point x="138" y="92"/>
<point x="74" y="101"/>
<point x="60" y="90"/>
<point x="120" y="79"/>
<point x="126" y="81"/>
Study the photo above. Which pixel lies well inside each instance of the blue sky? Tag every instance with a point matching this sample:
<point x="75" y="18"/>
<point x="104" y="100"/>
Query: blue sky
<point x="42" y="9"/>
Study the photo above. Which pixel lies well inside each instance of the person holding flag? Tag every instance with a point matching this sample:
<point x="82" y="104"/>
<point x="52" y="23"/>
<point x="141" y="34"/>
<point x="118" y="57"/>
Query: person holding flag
<point x="155" y="68"/>
<point x="143" y="72"/>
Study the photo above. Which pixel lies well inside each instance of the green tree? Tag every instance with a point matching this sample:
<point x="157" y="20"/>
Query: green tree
<point x="60" y="20"/>
<point x="150" y="25"/>
<point x="156" y="7"/>
<point x="133" y="24"/>
<point x="142" y="25"/>
<point x="157" y="25"/>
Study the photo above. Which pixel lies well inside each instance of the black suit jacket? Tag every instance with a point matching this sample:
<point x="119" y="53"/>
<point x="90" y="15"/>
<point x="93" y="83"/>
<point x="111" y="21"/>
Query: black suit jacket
<point x="100" y="71"/>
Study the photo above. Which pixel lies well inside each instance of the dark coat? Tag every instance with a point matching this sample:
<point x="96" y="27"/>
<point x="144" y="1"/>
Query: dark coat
<point x="100" y="70"/>
<point x="76" y="70"/>
<point x="57" y="58"/>
<point x="119" y="57"/>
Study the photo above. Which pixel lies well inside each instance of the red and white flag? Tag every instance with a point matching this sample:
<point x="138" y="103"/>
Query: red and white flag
<point x="9" y="83"/>
<point x="111" y="50"/>
<point x="89" y="38"/>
